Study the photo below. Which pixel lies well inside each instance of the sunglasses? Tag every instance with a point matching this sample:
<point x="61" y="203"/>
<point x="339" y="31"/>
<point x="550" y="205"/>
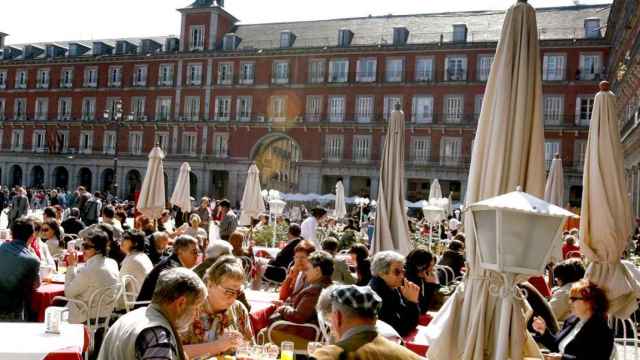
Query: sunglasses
<point x="87" y="246"/>
<point x="574" y="298"/>
<point x="398" y="272"/>
<point x="231" y="292"/>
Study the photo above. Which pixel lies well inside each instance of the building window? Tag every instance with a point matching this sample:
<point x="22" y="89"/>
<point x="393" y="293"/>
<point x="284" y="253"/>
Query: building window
<point x="247" y="73"/>
<point x="590" y="66"/>
<point x="364" y="109"/>
<point x="135" y="142"/>
<point x="333" y="147"/>
<point x="63" y="140"/>
<point x="223" y="108"/>
<point x="221" y="145"/>
<point x="3" y="109"/>
<point x="584" y="108"/>
<point x="115" y="76"/>
<point x="280" y="72"/>
<point x="165" y="75"/>
<point x="390" y="104"/>
<point x="361" y="148"/>
<point x="477" y="106"/>
<point x="138" y="107"/>
<point x="194" y="74"/>
<point x="553" y="67"/>
<point x="43" y="79"/>
<point x="140" y="75"/>
<point x="38" y="141"/>
<point x="484" y="67"/>
<point x="163" y="108"/>
<point x="66" y="78"/>
<point x="553" y="109"/>
<point x="336" y="108"/>
<point x="162" y="140"/>
<point x="338" y="70"/>
<point x="112" y="108"/>
<point x="450" y="151"/>
<point x="394" y="70"/>
<point x="459" y="32"/>
<point x="88" y="109"/>
<point x="424" y="69"/>
<point x="192" y="108"/>
<point x="17" y="140"/>
<point x="196" y="39"/>
<point x="421" y="149"/>
<point x="456" y="68"/>
<point x="245" y="104"/>
<point x="91" y="77"/>
<point x="3" y="79"/>
<point x="317" y="71"/>
<point x="42" y="109"/>
<point x="422" y="109"/>
<point x="225" y="73"/>
<point x="86" y="142"/>
<point x="189" y="143"/>
<point x="454" y="108"/>
<point x="109" y="142"/>
<point x="64" y="109"/>
<point x="551" y="148"/>
<point x="278" y="108"/>
<point x="20" y="109"/>
<point x="366" y="70"/>
<point x="313" y="108"/>
<point x="579" y="150"/>
<point x="21" y="79"/>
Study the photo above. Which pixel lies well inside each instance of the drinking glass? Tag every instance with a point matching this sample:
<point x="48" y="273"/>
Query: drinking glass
<point x="286" y="352"/>
<point x="244" y="352"/>
<point x="271" y="351"/>
<point x="312" y="346"/>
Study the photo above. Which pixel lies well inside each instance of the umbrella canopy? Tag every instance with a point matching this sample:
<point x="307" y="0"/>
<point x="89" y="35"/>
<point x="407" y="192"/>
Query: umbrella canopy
<point x="341" y="208"/>
<point x="554" y="189"/>
<point x="181" y="196"/>
<point x="435" y="192"/>
<point x="508" y="151"/>
<point x="152" y="198"/>
<point x="606" y="220"/>
<point x="391" y="228"/>
<point x="252" y="203"/>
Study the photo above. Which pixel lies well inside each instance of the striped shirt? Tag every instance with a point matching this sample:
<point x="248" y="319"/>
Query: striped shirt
<point x="156" y="343"/>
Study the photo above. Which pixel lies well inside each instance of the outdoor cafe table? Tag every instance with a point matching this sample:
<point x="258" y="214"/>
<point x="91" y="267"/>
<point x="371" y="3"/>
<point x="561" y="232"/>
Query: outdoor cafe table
<point x="43" y="296"/>
<point x="260" y="301"/>
<point x="28" y="341"/>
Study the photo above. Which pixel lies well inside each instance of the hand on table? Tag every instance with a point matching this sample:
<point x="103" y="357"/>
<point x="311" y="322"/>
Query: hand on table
<point x="552" y="356"/>
<point x="410" y="291"/>
<point x="229" y="340"/>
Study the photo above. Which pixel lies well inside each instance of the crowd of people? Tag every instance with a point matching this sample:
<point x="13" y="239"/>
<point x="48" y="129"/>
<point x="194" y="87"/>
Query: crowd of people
<point x="189" y="292"/>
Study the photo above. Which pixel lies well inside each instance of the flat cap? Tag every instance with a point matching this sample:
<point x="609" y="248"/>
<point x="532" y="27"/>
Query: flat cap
<point x="362" y="299"/>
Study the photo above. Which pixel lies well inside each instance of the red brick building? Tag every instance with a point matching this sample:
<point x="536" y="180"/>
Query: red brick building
<point x="307" y="101"/>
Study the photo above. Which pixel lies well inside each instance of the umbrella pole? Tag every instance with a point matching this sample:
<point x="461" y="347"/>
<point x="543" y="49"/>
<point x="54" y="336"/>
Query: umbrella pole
<point x="508" y="293"/>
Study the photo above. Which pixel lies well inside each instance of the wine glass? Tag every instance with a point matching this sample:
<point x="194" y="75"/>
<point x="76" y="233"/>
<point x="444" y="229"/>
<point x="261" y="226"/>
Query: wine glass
<point x="271" y="351"/>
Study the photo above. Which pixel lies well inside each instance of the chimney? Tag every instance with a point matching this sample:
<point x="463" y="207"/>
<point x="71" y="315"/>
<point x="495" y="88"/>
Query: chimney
<point x="400" y="36"/>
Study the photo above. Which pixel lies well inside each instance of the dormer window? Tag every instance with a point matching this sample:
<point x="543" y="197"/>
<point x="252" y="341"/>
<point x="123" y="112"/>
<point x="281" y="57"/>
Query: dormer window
<point x="286" y="39"/>
<point x="592" y="28"/>
<point x="344" y="37"/>
<point x="230" y="42"/>
<point x="196" y="41"/>
<point x="459" y="32"/>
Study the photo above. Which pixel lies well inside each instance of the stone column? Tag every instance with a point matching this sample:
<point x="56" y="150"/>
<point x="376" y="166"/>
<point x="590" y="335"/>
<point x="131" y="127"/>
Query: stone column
<point x="346" y="182"/>
<point x="232" y="193"/>
<point x="375" y="184"/>
<point x="95" y="180"/>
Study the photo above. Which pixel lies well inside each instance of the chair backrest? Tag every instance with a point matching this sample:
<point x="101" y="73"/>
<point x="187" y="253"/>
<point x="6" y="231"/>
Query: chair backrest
<point x="626" y="343"/>
<point x="449" y="274"/>
<point x="279" y="323"/>
<point x="101" y="303"/>
<point x="324" y="327"/>
<point x="130" y="289"/>
<point x="247" y="265"/>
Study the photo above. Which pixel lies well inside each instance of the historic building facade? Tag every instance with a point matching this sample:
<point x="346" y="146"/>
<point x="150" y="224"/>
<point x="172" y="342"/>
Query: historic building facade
<point x="307" y="101"/>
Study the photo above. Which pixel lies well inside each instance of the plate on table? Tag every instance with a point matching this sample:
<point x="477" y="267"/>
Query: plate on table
<point x="57" y="278"/>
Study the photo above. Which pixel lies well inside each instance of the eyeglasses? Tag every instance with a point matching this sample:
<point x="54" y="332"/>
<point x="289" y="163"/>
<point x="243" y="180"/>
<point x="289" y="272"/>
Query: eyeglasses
<point x="398" y="271"/>
<point x="231" y="292"/>
<point x="574" y="298"/>
<point x="86" y="246"/>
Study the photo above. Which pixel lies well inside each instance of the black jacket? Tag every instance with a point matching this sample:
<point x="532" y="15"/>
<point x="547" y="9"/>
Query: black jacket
<point x="427" y="293"/>
<point x="454" y="260"/>
<point x="73" y="225"/>
<point x="285" y="256"/>
<point x="149" y="284"/>
<point x="396" y="311"/>
<point x="593" y="342"/>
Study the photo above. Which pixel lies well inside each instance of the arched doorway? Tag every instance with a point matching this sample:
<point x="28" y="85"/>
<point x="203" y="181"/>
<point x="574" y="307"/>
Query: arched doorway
<point x="37" y="176"/>
<point x="61" y="178"/>
<point x="277" y="157"/>
<point x="133" y="184"/>
<point x="15" y="176"/>
<point x="193" y="183"/>
<point x="107" y="180"/>
<point x="85" y="178"/>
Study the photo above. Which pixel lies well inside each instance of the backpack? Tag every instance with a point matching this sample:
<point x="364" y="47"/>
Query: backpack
<point x="89" y="212"/>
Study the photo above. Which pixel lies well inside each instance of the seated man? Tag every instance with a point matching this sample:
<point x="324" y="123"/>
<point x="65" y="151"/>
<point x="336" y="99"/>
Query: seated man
<point x="353" y="322"/>
<point x="153" y="332"/>
<point x="276" y="271"/>
<point x="156" y="246"/>
<point x="19" y="271"/>
<point x="216" y="249"/>
<point x="400" y="296"/>
<point x="341" y="272"/>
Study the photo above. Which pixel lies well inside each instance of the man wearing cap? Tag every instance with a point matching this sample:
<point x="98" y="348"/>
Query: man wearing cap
<point x="353" y="319"/>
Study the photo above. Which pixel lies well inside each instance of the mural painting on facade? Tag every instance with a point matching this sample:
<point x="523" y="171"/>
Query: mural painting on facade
<point x="278" y="158"/>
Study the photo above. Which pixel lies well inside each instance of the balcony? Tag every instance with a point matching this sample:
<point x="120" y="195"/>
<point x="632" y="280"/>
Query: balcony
<point x="391" y="76"/>
<point x="588" y="74"/>
<point x="456" y="75"/>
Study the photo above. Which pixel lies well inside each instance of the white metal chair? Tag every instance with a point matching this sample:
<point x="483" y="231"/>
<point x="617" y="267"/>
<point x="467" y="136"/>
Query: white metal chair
<point x="324" y="328"/>
<point x="626" y="343"/>
<point x="280" y="323"/>
<point x="449" y="274"/>
<point x="130" y="290"/>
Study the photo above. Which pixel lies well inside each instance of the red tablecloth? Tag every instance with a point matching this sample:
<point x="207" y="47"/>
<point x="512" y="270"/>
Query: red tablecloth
<point x="43" y="296"/>
<point x="417" y="341"/>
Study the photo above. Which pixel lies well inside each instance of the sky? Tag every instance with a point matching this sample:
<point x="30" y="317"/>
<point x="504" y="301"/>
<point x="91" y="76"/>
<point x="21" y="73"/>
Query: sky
<point x="62" y="20"/>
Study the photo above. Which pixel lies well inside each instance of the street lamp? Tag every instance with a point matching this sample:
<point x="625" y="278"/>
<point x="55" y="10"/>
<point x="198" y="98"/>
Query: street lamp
<point x="276" y="208"/>
<point x="116" y="116"/>
<point x="361" y="203"/>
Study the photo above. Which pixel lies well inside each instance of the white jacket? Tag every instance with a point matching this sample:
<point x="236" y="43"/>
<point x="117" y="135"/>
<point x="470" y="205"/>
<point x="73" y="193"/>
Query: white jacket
<point x="138" y="265"/>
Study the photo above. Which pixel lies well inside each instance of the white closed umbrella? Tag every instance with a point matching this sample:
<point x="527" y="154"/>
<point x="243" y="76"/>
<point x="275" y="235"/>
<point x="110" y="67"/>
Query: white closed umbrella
<point x="181" y="196"/>
<point x="508" y="152"/>
<point x="554" y="188"/>
<point x="152" y="198"/>
<point x="341" y="208"/>
<point x="391" y="227"/>
<point x="435" y="191"/>
<point x="252" y="203"/>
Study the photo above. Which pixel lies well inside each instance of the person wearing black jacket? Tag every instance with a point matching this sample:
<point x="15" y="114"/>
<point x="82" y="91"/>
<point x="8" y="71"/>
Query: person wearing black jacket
<point x="400" y="297"/>
<point x="586" y="334"/>
<point x="419" y="270"/>
<point x="274" y="270"/>
<point x="73" y="224"/>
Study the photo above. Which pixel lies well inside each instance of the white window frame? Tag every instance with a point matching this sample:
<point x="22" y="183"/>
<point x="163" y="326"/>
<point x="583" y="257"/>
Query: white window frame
<point x="389" y="103"/>
<point x="584" y="120"/>
<point x="223" y="108"/>
<point x="20" y="109"/>
<point x="66" y="78"/>
<point x="189" y="144"/>
<point x="421" y="149"/>
<point x="281" y="72"/>
<point x="553" y="109"/>
<point x="196" y="37"/>
<point x="115" y="76"/>
<point x="334" y="147"/>
<point x="313" y="108"/>
<point x="484" y="66"/>
<point x="391" y="72"/>
<point x="43" y="79"/>
<point x="554" y="67"/>
<point x="460" y="68"/>
<point x="39" y="136"/>
<point x="247" y="73"/>
<point x="162" y="139"/>
<point x="85" y="147"/>
<point x="278" y="108"/>
<point x="338" y="70"/>
<point x="225" y="73"/>
<point x="112" y="107"/>
<point x="165" y="75"/>
<point x="579" y="152"/>
<point x="136" y="142"/>
<point x="244" y="108"/>
<point x="362" y="148"/>
<point x="221" y="145"/>
<point x="450" y="150"/>
<point x="88" y="108"/>
<point x="109" y="142"/>
<point x="366" y="69"/>
<point x="3" y="109"/>
<point x="424" y="115"/>
<point x="364" y="108"/>
<point x="194" y="74"/>
<point x="453" y="109"/>
<point x="41" y="109"/>
<point x="595" y="67"/>
<point x="191" y="108"/>
<point x="140" y="72"/>
<point x="424" y="73"/>
<point x="163" y="112"/>
<point x="22" y="79"/>
<point x="17" y="139"/>
<point x="477" y="106"/>
<point x="65" y="108"/>
<point x="336" y="105"/>
<point x="139" y="108"/>
<point x="64" y="134"/>
<point x="90" y="79"/>
<point x="551" y="147"/>
<point x="317" y="70"/>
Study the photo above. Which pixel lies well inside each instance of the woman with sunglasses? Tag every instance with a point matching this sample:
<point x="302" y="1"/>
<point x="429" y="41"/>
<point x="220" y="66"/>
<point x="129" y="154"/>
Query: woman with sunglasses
<point x="419" y="270"/>
<point x="50" y="234"/>
<point x="585" y="334"/>
<point x="221" y="323"/>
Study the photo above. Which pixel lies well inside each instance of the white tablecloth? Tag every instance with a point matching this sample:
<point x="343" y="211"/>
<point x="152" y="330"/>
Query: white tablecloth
<point x="28" y="341"/>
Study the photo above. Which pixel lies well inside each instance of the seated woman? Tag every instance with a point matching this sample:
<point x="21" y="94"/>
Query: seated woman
<point x="99" y="272"/>
<point x="360" y="256"/>
<point x="419" y="270"/>
<point x="50" y="234"/>
<point x="221" y="323"/>
<point x="585" y="334"/>
<point x="39" y="248"/>
<point x="453" y="257"/>
<point x="136" y="263"/>
<point x="197" y="232"/>
<point x="566" y="274"/>
<point x="295" y="280"/>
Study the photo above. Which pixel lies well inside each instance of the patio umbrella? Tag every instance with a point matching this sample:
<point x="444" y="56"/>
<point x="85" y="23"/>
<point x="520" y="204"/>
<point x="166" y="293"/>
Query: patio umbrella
<point x="554" y="189"/>
<point x="435" y="192"/>
<point x="252" y="203"/>
<point x="152" y="193"/>
<point x="391" y="228"/>
<point x="606" y="220"/>
<point x="341" y="208"/>
<point x="508" y="152"/>
<point x="181" y="196"/>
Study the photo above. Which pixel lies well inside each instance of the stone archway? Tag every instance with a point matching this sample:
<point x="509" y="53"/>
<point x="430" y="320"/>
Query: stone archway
<point x="85" y="178"/>
<point x="37" y="176"/>
<point x="278" y="156"/>
<point x="133" y="184"/>
<point x="15" y="176"/>
<point x="61" y="178"/>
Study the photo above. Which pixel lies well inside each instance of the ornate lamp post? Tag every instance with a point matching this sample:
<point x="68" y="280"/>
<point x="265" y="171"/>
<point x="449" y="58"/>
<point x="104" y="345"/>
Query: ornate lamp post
<point x="361" y="203"/>
<point x="116" y="116"/>
<point x="276" y="208"/>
